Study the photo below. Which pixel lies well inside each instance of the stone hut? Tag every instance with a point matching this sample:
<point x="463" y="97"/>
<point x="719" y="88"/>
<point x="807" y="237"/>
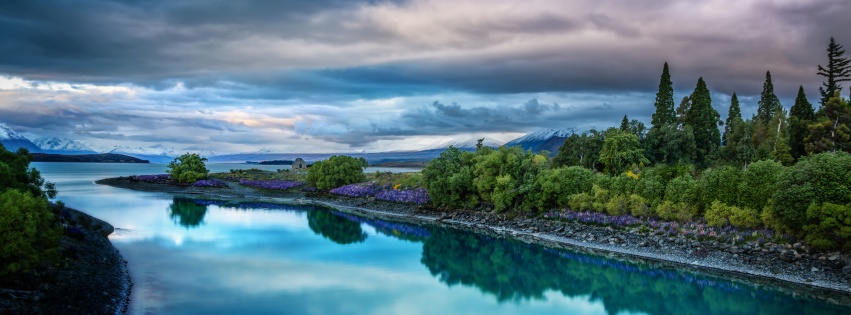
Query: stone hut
<point x="299" y="165"/>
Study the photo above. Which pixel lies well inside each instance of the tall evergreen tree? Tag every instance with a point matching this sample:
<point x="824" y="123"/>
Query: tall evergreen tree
<point x="734" y="113"/>
<point x="664" y="114"/>
<point x="832" y="131"/>
<point x="704" y="120"/>
<point x="837" y="70"/>
<point x="625" y="123"/>
<point x="800" y="116"/>
<point x="768" y="101"/>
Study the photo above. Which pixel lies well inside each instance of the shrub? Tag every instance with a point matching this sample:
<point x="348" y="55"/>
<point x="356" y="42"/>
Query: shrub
<point x="29" y="233"/>
<point x="832" y="227"/>
<point x="718" y="214"/>
<point x="448" y="179"/>
<point x="819" y="178"/>
<point x="601" y="197"/>
<point x="581" y="202"/>
<point x="618" y="205"/>
<point x="651" y="187"/>
<point x="759" y="183"/>
<point x="683" y="189"/>
<point x="720" y="184"/>
<point x="188" y="168"/>
<point x="638" y="206"/>
<point x="336" y="171"/>
<point x="676" y="211"/>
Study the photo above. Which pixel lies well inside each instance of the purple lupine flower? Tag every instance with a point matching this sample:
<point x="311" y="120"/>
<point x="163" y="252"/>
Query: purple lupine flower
<point x="275" y="184"/>
<point x="210" y="183"/>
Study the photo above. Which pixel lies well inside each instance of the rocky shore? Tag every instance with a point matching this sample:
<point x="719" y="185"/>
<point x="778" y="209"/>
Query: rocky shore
<point x="92" y="279"/>
<point x="824" y="275"/>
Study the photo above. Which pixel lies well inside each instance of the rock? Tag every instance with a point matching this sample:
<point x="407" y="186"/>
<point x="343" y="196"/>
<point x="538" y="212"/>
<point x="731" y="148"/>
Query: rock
<point x="797" y="245"/>
<point x="846" y="270"/>
<point x="788" y="255"/>
<point x="814" y="269"/>
<point x="833" y="256"/>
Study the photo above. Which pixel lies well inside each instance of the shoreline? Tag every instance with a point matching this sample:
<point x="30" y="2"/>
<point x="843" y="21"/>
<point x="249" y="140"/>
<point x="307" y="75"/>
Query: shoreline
<point x="94" y="281"/>
<point x="826" y="276"/>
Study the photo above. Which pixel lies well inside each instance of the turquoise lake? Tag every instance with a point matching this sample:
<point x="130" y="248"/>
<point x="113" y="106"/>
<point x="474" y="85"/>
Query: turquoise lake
<point x="192" y="256"/>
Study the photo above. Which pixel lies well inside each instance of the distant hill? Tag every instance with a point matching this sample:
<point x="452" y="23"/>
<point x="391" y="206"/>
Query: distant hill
<point x="542" y="140"/>
<point x="55" y="145"/>
<point x="276" y="162"/>
<point x="12" y="140"/>
<point x="87" y="158"/>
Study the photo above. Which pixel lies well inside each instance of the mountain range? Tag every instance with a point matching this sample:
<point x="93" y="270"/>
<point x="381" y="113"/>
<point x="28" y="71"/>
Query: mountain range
<point x="542" y="140"/>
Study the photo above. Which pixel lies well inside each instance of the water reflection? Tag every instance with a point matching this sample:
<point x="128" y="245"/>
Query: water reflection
<point x="514" y="273"/>
<point x="335" y="228"/>
<point x="187" y="212"/>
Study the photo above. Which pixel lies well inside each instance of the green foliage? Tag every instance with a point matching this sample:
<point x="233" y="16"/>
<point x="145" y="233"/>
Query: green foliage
<point x="664" y="115"/>
<point x="704" y="120"/>
<point x="740" y="149"/>
<point x="582" y="150"/>
<point x="188" y="168"/>
<point x="448" y="180"/>
<point x="759" y="183"/>
<point x="651" y="187"/>
<point x="29" y="234"/>
<point x="734" y="114"/>
<point x="832" y="131"/>
<point x="720" y="214"/>
<point x="620" y="151"/>
<point x="555" y="186"/>
<point x="800" y="116"/>
<point x="15" y="173"/>
<point x="719" y="184"/>
<point x="581" y="202"/>
<point x="335" y="228"/>
<point x="769" y="104"/>
<point x="819" y="178"/>
<point x="336" y="171"/>
<point x="638" y="206"/>
<point x="676" y="211"/>
<point x="837" y="70"/>
<point x="187" y="212"/>
<point x="683" y="189"/>
<point x="831" y="225"/>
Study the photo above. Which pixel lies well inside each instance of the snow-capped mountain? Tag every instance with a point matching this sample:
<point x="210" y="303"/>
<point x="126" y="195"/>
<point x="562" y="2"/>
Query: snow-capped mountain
<point x="157" y="153"/>
<point x="55" y="145"/>
<point x="469" y="144"/>
<point x="542" y="140"/>
<point x="12" y="140"/>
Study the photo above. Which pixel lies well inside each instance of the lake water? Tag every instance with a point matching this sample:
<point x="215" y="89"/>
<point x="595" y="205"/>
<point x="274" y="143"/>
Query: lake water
<point x="189" y="256"/>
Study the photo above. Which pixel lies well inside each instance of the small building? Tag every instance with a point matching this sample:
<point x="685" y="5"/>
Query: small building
<point x="299" y="165"/>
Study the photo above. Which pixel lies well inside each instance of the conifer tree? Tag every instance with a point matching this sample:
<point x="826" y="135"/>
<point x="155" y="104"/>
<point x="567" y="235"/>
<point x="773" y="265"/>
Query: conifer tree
<point x="734" y="113"/>
<point x="800" y="116"/>
<point x="704" y="121"/>
<point x="837" y="70"/>
<point x="625" y="123"/>
<point x="664" y="114"/>
<point x="832" y="131"/>
<point x="768" y="101"/>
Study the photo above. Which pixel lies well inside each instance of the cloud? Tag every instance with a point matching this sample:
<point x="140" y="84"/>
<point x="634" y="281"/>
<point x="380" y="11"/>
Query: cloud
<point x="320" y="69"/>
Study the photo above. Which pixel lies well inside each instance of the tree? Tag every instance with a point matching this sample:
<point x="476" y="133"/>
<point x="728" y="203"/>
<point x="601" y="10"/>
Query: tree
<point x="837" y="70"/>
<point x="768" y="101"/>
<point x="582" y="150"/>
<point x="664" y="104"/>
<point x="625" y="123"/>
<point x="188" y="168"/>
<point x="800" y="116"/>
<point x="704" y="120"/>
<point x="15" y="173"/>
<point x="29" y="234"/>
<point x="620" y="151"/>
<point x="448" y="179"/>
<point x="831" y="132"/>
<point x="734" y="113"/>
<point x="336" y="171"/>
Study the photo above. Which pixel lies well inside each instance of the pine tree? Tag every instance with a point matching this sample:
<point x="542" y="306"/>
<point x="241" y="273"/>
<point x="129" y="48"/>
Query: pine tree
<point x="768" y="102"/>
<point x="664" y="101"/>
<point x="625" y="123"/>
<point x="838" y="70"/>
<point x="800" y="116"/>
<point x="734" y="113"/>
<point x="704" y="120"/>
<point x="832" y="131"/>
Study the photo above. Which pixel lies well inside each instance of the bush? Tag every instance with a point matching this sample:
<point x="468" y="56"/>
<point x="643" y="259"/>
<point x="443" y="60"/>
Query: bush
<point x="651" y="187"/>
<point x="832" y="227"/>
<point x="759" y="183"/>
<point x="676" y="211"/>
<point x="448" y="179"/>
<point x="581" y="202"/>
<point x="618" y="205"/>
<point x="638" y="206"/>
<point x="683" y="189"/>
<point x="29" y="233"/>
<point x="819" y="178"/>
<point x="336" y="171"/>
<point x="188" y="168"/>
<point x="720" y="214"/>
<point x="720" y="184"/>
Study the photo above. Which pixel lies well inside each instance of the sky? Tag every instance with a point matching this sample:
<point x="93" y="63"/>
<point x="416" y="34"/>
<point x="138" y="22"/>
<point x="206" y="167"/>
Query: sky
<point x="370" y="76"/>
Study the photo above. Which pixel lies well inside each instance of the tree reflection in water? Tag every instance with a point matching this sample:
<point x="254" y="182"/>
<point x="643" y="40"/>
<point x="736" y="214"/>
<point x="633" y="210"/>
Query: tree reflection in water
<point x="335" y="228"/>
<point x="514" y="271"/>
<point x="187" y="212"/>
